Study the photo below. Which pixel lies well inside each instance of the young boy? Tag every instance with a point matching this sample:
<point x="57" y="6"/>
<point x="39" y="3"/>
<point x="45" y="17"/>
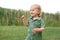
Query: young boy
<point x="35" y="23"/>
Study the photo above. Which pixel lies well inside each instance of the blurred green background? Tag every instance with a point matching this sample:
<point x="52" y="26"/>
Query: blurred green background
<point x="12" y="28"/>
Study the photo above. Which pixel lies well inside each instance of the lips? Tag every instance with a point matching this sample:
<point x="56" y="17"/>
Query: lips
<point x="32" y="13"/>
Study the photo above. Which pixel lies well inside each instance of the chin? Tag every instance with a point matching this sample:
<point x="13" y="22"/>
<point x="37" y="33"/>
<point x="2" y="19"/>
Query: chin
<point x="32" y="15"/>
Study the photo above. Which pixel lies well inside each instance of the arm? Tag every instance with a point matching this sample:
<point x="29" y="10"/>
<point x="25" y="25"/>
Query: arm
<point x="38" y="30"/>
<point x="24" y="20"/>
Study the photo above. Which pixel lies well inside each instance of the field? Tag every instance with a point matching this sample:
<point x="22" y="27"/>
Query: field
<point x="19" y="33"/>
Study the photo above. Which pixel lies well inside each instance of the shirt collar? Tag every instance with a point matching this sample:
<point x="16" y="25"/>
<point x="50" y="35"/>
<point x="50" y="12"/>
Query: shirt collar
<point x="39" y="18"/>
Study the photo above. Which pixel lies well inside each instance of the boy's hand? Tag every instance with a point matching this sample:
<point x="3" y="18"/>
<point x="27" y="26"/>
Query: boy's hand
<point x="23" y="18"/>
<point x="35" y="30"/>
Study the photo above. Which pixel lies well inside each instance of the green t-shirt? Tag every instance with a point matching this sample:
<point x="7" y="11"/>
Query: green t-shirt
<point x="38" y="23"/>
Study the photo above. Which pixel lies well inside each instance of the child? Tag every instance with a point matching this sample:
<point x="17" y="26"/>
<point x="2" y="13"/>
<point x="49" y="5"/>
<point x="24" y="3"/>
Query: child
<point x="35" y="23"/>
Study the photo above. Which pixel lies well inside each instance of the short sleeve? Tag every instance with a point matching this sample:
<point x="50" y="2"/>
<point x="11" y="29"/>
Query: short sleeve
<point x="42" y="23"/>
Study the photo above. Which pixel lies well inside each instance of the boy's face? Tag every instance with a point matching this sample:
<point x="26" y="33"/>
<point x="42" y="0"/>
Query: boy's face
<point x="34" y="11"/>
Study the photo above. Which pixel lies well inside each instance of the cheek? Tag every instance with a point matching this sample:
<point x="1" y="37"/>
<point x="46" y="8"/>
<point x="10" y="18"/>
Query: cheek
<point x="36" y="11"/>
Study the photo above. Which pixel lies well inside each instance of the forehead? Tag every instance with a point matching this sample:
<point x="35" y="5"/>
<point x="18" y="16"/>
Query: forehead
<point x="35" y="7"/>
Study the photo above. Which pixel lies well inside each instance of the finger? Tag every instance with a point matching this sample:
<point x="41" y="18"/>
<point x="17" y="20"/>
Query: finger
<point x="22" y="16"/>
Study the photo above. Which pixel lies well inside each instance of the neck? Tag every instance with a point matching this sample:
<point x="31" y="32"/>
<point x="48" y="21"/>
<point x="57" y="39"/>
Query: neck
<point x="35" y="17"/>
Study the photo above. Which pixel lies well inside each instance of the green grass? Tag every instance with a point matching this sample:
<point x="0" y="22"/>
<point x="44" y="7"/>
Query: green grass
<point x="19" y="33"/>
<point x="51" y="33"/>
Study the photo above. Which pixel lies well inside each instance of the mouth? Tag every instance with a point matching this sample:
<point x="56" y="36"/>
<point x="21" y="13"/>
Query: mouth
<point x="32" y="13"/>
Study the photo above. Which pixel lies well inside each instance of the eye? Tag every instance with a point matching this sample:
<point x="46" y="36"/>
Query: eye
<point x="31" y="10"/>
